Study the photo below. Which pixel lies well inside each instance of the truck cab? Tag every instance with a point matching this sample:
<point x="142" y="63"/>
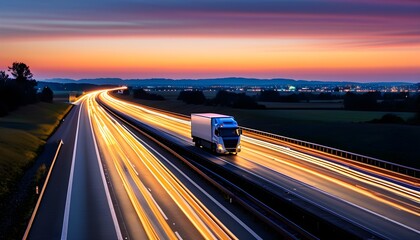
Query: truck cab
<point x="219" y="133"/>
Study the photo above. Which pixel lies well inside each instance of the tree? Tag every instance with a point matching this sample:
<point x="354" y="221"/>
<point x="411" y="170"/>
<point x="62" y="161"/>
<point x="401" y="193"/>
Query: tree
<point x="3" y="104"/>
<point x="25" y="82"/>
<point x="21" y="72"/>
<point x="192" y="97"/>
<point x="389" y="118"/>
<point x="235" y="100"/>
<point x="46" y="95"/>
<point x="141" y="94"/>
<point x="269" y="96"/>
<point x="3" y="76"/>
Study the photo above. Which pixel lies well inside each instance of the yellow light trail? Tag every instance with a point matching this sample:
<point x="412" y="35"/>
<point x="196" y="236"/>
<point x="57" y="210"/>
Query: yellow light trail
<point x="126" y="153"/>
<point x="181" y="195"/>
<point x="339" y="182"/>
<point x="377" y="182"/>
<point x="180" y="126"/>
<point x="118" y="157"/>
<point x="380" y="172"/>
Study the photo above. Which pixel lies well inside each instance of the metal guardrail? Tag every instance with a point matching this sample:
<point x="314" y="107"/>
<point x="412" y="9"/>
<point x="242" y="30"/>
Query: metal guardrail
<point x="281" y="210"/>
<point x="409" y="171"/>
<point x="394" y="167"/>
<point x="251" y="203"/>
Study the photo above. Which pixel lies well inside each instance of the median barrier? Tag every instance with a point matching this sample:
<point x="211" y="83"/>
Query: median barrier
<point x="345" y="155"/>
<point x="348" y="156"/>
<point x="282" y="210"/>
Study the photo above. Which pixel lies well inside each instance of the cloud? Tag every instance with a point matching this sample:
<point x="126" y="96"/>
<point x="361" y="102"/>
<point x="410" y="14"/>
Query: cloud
<point x="368" y="21"/>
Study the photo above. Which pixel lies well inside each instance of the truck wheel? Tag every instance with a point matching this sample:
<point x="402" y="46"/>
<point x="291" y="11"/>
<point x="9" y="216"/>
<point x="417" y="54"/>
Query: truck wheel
<point x="196" y="142"/>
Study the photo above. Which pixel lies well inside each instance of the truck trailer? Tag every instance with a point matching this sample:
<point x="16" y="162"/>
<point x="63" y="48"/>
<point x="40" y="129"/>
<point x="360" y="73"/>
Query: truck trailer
<point x="219" y="133"/>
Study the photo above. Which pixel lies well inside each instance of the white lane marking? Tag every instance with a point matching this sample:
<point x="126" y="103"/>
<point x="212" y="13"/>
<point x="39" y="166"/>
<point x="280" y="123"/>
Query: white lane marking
<point x="108" y="195"/>
<point x="332" y="196"/>
<point x="177" y="235"/>
<point x="41" y="195"/>
<point x="133" y="167"/>
<point x="159" y="208"/>
<point x="254" y="234"/>
<point x="362" y="208"/>
<point x="70" y="186"/>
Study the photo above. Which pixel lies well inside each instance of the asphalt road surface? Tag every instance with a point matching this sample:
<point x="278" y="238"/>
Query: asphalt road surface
<point x="382" y="204"/>
<point x="110" y="182"/>
<point x="76" y="204"/>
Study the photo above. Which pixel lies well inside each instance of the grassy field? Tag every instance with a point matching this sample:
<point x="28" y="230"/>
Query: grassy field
<point x="323" y="116"/>
<point x="22" y="133"/>
<point x="304" y="105"/>
<point x="341" y="129"/>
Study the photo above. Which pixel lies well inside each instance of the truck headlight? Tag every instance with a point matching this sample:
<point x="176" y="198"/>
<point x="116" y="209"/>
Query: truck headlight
<point x="219" y="147"/>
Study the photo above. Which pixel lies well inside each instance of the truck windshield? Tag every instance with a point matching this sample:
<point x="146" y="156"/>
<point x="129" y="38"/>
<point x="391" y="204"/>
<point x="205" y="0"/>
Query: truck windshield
<point x="228" y="132"/>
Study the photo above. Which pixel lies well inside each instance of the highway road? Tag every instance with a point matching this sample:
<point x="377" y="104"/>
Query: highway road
<point x="384" y="205"/>
<point x="168" y="199"/>
<point x="111" y="183"/>
<point x="76" y="204"/>
<point x="49" y="218"/>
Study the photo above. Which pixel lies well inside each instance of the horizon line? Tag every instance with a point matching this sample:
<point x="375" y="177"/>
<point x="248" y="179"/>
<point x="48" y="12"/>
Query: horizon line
<point x="220" y="78"/>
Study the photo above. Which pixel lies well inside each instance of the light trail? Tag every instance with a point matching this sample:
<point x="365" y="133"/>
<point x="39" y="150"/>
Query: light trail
<point x="265" y="153"/>
<point x="368" y="168"/>
<point x="126" y="175"/>
<point x="339" y="182"/>
<point x="377" y="182"/>
<point x="131" y="159"/>
<point x="247" y="228"/>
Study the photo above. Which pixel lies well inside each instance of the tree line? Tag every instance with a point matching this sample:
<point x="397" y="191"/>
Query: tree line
<point x="275" y="96"/>
<point x="142" y="94"/>
<point x="222" y="98"/>
<point x="370" y="101"/>
<point x="20" y="89"/>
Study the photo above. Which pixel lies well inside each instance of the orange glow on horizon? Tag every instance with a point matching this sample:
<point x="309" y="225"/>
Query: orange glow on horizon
<point x="183" y="56"/>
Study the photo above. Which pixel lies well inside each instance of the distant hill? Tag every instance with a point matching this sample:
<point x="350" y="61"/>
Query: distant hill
<point x="183" y="82"/>
<point x="213" y="82"/>
<point x="70" y="86"/>
<point x="103" y="81"/>
<point x="59" y="80"/>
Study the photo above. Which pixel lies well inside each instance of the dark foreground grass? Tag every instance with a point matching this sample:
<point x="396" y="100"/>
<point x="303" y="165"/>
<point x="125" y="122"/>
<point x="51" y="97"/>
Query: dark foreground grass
<point x="22" y="134"/>
<point x="346" y="130"/>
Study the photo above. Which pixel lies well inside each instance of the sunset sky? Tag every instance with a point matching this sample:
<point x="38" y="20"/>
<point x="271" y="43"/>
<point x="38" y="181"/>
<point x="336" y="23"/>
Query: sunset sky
<point x="347" y="40"/>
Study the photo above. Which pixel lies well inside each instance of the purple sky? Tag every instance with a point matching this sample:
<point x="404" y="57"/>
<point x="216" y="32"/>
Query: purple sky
<point x="390" y="28"/>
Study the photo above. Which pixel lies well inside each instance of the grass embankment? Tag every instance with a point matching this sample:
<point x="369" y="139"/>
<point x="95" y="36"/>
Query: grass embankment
<point x="346" y="130"/>
<point x="22" y="134"/>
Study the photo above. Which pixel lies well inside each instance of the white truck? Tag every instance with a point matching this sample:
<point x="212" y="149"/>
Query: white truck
<point x="219" y="133"/>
